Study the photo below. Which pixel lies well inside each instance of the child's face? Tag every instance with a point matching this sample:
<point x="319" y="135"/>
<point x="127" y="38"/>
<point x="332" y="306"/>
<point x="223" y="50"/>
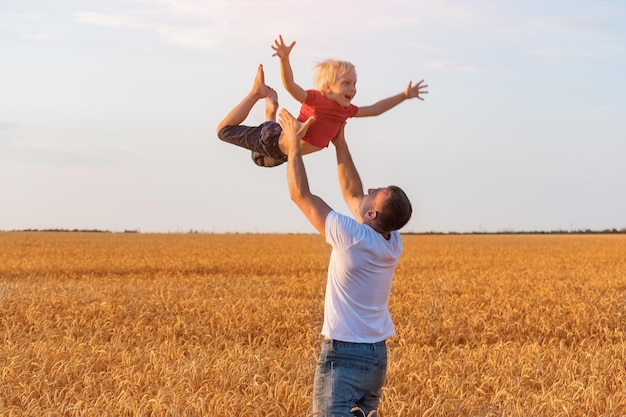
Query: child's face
<point x="343" y="90"/>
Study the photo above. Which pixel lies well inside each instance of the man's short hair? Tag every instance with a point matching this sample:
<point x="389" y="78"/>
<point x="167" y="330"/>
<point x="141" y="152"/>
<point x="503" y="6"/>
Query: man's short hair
<point x="397" y="210"/>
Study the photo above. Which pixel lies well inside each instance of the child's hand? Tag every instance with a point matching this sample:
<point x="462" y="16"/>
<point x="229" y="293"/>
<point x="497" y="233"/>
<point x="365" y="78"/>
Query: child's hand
<point x="282" y="50"/>
<point x="415" y="91"/>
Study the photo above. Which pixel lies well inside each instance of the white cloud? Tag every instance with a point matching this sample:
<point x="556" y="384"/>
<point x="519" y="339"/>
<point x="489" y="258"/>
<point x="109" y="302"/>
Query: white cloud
<point x="454" y="65"/>
<point x="109" y="19"/>
<point x="550" y="53"/>
<point x="565" y="53"/>
<point x="50" y="153"/>
<point x="45" y="37"/>
<point x="182" y="34"/>
<point x="209" y="23"/>
<point x="581" y="27"/>
<point x="25" y="16"/>
<point x="7" y="125"/>
<point x="198" y="38"/>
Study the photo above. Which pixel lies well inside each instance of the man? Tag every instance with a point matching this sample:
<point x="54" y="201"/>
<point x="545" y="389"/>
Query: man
<point x="352" y="365"/>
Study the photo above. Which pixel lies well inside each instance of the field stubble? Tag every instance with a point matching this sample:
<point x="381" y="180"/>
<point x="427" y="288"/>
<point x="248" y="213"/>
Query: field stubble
<point x="106" y="324"/>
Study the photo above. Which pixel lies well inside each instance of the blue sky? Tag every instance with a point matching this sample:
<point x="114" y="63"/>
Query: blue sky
<point x="108" y="112"/>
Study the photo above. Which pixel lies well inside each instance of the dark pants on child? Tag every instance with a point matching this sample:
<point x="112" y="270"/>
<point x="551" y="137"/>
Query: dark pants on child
<point x="261" y="140"/>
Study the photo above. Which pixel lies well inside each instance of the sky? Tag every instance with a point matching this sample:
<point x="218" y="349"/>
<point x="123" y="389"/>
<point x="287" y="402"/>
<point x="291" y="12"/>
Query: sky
<point x="108" y="112"/>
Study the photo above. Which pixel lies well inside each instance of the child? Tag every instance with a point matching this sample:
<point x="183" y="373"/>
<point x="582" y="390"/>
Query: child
<point x="265" y="141"/>
<point x="330" y="106"/>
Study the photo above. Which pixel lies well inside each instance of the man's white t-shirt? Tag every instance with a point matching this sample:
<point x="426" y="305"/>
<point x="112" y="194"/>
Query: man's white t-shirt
<point x="362" y="264"/>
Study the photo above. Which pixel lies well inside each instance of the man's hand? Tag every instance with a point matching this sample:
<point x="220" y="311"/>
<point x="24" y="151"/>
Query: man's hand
<point x="292" y="128"/>
<point x="415" y="91"/>
<point x="282" y="50"/>
<point x="340" y="137"/>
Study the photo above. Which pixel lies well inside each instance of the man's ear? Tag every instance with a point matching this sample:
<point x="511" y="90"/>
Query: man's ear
<point x="371" y="214"/>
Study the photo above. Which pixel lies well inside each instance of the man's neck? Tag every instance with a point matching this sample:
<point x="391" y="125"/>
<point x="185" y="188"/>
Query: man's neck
<point x="373" y="225"/>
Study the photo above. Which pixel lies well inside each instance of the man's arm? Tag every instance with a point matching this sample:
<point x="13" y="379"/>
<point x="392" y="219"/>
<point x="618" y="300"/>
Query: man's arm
<point x="349" y="179"/>
<point x="314" y="208"/>
<point x="412" y="91"/>
<point x="282" y="52"/>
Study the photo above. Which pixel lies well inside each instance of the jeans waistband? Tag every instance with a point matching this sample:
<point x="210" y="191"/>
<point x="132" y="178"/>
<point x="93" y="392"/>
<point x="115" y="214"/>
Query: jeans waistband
<point x="340" y="343"/>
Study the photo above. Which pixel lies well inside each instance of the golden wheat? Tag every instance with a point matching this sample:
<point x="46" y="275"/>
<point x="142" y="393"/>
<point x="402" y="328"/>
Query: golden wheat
<point x="106" y="324"/>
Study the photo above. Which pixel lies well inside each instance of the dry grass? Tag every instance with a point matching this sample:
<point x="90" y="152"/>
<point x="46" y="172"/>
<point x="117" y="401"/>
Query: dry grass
<point x="221" y="325"/>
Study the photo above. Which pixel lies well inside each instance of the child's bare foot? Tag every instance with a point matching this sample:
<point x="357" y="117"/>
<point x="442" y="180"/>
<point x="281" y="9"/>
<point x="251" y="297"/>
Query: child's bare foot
<point x="271" y="104"/>
<point x="258" y="87"/>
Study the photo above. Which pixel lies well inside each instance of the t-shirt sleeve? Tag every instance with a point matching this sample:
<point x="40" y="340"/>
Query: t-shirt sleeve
<point x="310" y="96"/>
<point x="352" y="110"/>
<point x="307" y="109"/>
<point x="340" y="230"/>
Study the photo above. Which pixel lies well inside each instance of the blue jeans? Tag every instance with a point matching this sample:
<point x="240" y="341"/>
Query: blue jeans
<point x="349" y="375"/>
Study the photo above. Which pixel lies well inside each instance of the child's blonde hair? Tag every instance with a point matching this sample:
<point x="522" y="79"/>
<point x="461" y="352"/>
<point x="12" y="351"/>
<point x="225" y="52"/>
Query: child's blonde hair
<point x="328" y="70"/>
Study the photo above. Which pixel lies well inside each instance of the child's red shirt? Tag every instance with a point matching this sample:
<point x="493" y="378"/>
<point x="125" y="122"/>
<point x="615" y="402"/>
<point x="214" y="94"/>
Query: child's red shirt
<point x="329" y="117"/>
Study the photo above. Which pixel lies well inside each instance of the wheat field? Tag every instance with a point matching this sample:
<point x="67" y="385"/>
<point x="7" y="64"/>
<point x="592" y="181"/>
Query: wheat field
<point x="126" y="324"/>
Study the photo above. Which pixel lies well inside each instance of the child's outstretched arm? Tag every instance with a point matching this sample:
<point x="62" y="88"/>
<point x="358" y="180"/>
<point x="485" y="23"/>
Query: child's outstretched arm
<point x="282" y="51"/>
<point x="412" y="91"/>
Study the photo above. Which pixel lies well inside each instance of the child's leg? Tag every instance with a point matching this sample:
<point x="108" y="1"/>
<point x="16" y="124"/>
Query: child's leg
<point x="271" y="104"/>
<point x="269" y="141"/>
<point x="239" y="113"/>
<point x="262" y="140"/>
